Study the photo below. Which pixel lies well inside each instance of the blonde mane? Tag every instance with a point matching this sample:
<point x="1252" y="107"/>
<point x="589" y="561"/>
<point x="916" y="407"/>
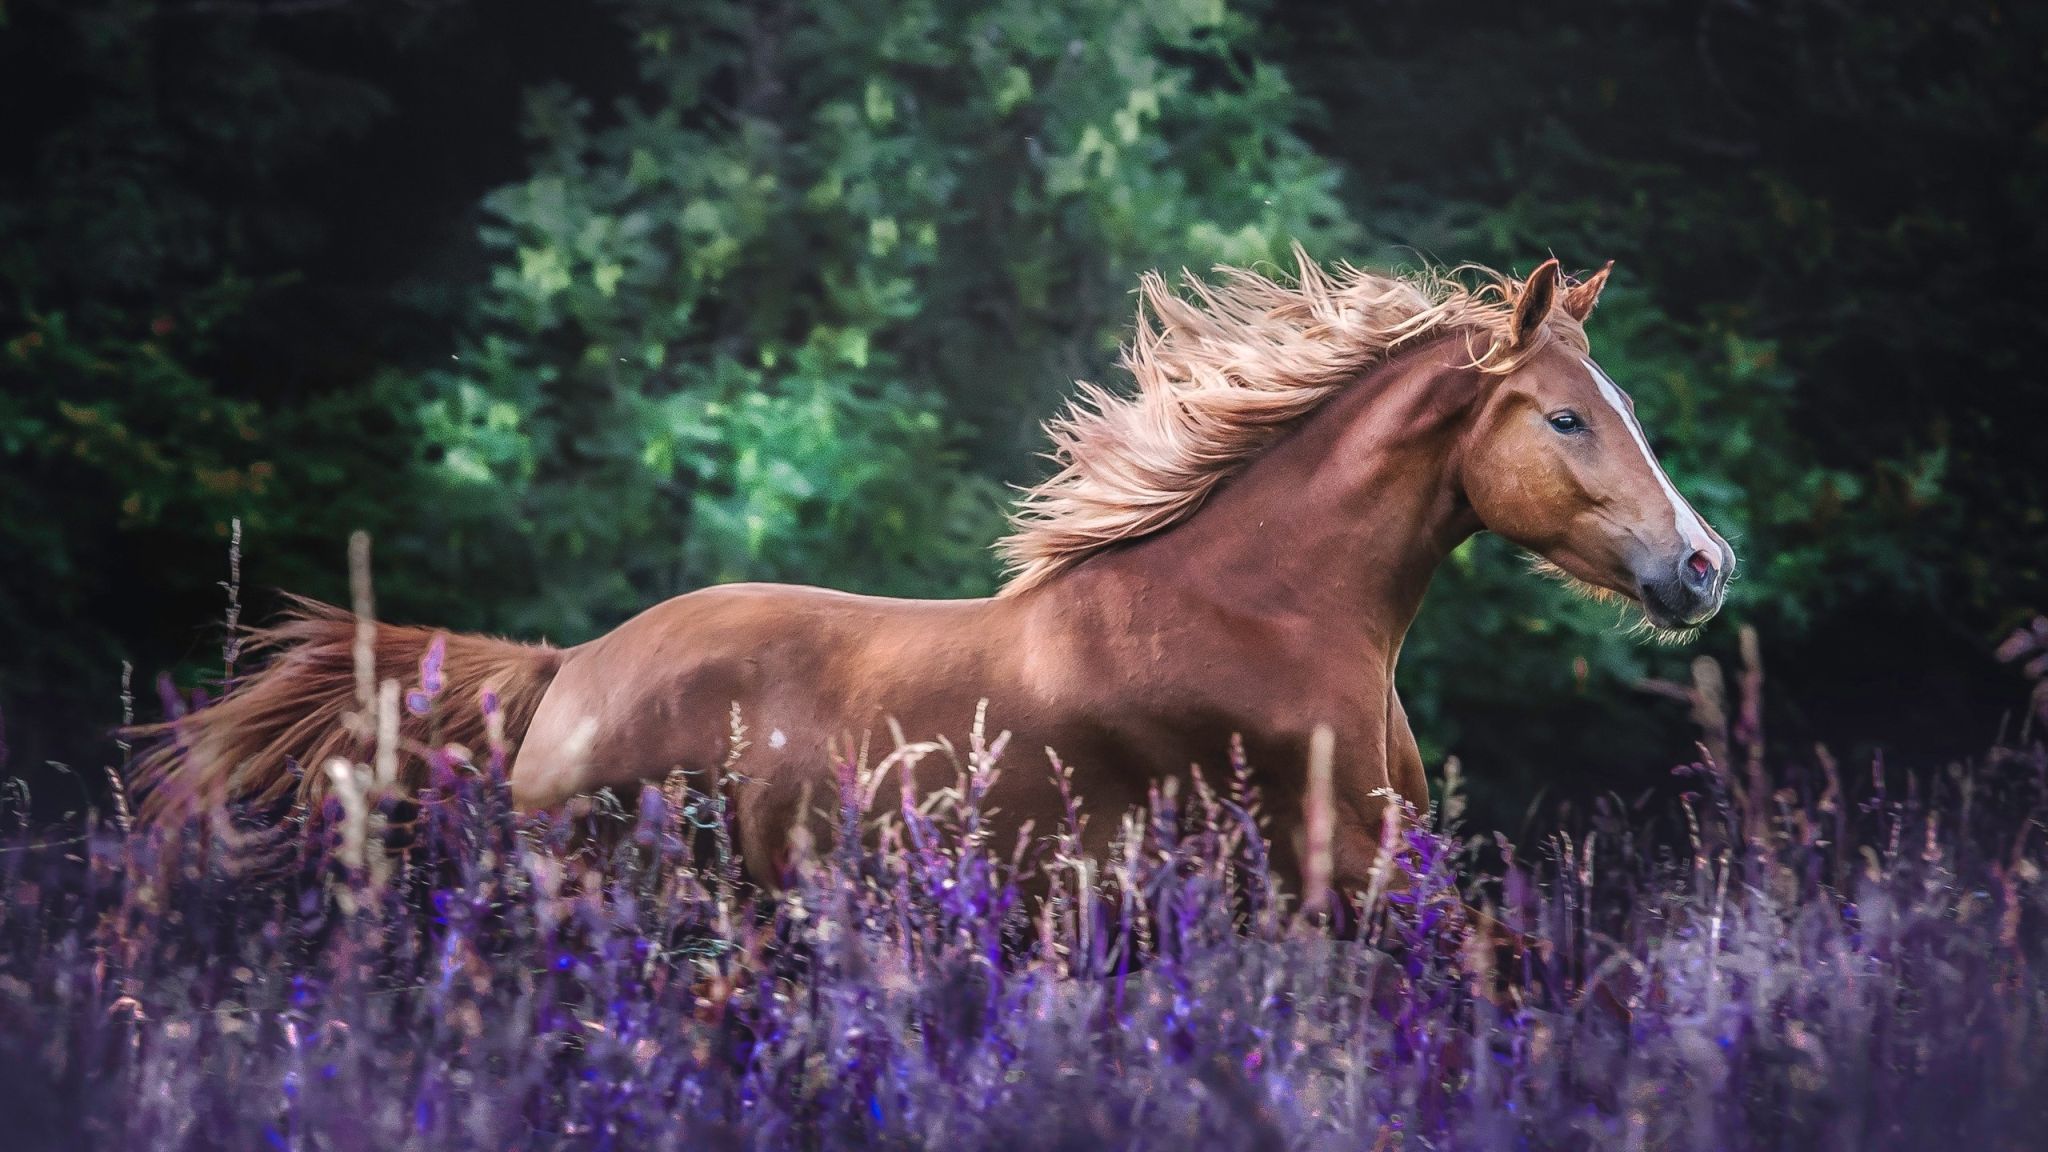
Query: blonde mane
<point x="1221" y="372"/>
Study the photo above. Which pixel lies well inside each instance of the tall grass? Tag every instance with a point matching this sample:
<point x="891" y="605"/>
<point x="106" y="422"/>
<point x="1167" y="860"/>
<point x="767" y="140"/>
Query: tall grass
<point x="1797" y="956"/>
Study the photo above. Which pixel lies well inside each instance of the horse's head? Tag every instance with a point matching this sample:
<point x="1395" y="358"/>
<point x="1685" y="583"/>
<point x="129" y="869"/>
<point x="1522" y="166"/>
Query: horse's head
<point x="1555" y="460"/>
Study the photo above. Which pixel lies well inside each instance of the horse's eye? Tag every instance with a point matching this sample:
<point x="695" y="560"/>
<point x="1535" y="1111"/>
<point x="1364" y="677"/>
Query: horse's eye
<point x="1567" y="422"/>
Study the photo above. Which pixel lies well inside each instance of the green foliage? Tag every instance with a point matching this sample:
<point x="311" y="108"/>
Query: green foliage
<point x="793" y="306"/>
<point x="752" y="327"/>
<point x="1819" y="214"/>
<point x="1718" y="407"/>
<point x="142" y="225"/>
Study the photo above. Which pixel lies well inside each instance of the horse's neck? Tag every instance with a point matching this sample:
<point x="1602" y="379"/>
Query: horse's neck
<point x="1345" y="519"/>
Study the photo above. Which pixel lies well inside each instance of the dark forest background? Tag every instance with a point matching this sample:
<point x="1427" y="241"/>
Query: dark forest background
<point x="578" y="305"/>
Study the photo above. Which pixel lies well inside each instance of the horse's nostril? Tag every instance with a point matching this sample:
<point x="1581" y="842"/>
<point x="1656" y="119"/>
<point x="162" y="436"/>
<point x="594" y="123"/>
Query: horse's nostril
<point x="1700" y="569"/>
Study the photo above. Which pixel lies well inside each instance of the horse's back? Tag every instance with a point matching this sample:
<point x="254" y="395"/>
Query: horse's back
<point x="658" y="692"/>
<point x="738" y="610"/>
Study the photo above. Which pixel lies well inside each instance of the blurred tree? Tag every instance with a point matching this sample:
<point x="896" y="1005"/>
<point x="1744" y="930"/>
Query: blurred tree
<point x="216" y="221"/>
<point x="793" y="306"/>
<point x="755" y="326"/>
<point x="143" y="223"/>
<point x="1823" y="214"/>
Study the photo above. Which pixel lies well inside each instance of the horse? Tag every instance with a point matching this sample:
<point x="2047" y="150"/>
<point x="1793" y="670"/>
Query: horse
<point x="1232" y="548"/>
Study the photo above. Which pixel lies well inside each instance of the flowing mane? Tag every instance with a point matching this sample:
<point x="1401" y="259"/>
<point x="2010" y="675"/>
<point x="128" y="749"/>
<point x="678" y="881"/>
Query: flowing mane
<point x="1199" y="648"/>
<point x="1220" y="373"/>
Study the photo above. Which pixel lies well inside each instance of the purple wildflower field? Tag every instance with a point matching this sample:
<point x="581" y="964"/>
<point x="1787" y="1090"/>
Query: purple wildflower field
<point x="1801" y="956"/>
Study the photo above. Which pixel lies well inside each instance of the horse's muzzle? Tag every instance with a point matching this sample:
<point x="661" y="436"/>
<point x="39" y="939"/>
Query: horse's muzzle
<point x="1687" y="593"/>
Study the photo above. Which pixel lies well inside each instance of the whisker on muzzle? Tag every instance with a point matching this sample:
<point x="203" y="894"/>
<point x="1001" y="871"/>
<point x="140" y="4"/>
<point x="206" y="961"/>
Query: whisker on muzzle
<point x="1633" y="621"/>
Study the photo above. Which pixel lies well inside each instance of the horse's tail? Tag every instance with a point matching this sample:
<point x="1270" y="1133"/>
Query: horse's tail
<point x="268" y="741"/>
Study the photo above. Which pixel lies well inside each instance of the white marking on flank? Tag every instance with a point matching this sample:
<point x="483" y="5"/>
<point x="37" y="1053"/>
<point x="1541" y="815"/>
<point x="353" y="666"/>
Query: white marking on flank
<point x="1690" y="528"/>
<point x="776" y="739"/>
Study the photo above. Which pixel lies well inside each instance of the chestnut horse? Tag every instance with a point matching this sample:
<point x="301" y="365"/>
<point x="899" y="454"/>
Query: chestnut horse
<point x="1235" y="547"/>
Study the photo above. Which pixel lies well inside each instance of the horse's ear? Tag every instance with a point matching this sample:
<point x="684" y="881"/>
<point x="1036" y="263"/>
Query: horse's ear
<point x="1532" y="303"/>
<point x="1580" y="298"/>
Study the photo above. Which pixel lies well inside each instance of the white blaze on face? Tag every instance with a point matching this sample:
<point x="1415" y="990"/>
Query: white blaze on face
<point x="1690" y="528"/>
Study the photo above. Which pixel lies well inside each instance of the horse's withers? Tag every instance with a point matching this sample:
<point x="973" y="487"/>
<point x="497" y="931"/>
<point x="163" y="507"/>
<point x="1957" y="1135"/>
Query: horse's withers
<point x="1238" y="549"/>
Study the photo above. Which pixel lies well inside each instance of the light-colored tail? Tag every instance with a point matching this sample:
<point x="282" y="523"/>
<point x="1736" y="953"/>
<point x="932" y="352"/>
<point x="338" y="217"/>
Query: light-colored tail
<point x="268" y="741"/>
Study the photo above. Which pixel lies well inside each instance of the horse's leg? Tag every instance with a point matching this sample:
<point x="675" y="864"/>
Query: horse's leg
<point x="553" y="763"/>
<point x="610" y="720"/>
<point x="1404" y="756"/>
<point x="1504" y="950"/>
<point x="1496" y="947"/>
